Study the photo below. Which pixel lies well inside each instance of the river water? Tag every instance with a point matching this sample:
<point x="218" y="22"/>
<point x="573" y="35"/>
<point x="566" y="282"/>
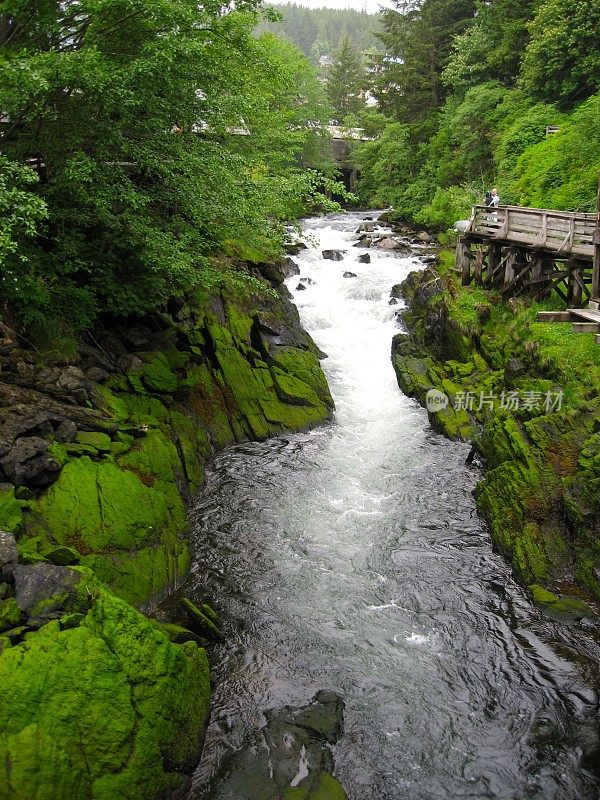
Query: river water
<point x="352" y="558"/>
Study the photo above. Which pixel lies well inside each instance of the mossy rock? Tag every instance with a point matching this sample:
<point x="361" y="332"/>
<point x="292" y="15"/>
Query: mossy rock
<point x="562" y="606"/>
<point x="99" y="441"/>
<point x="149" y="572"/>
<point x="10" y="614"/>
<point x="110" y="709"/>
<point x="325" y="787"/>
<point x="11" y="510"/>
<point x="127" y="531"/>
<point x="157" y="375"/>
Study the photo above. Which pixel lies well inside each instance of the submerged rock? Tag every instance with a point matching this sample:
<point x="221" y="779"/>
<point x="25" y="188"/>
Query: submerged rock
<point x="349" y="274"/>
<point x="289" y="759"/>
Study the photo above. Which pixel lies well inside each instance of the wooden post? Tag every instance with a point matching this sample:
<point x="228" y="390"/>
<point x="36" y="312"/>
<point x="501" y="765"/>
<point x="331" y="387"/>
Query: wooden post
<point x="577" y="284"/>
<point x="478" y="266"/>
<point x="463" y="260"/>
<point x="493" y="261"/>
<point x="509" y="267"/>
<point x="596" y="267"/>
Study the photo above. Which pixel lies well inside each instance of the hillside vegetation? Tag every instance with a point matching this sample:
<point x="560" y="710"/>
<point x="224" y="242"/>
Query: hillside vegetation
<point x="465" y="102"/>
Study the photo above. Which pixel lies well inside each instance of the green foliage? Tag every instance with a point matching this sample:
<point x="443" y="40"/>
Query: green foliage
<point x="162" y="129"/>
<point x="562" y="62"/>
<point x="561" y="171"/>
<point x="346" y="80"/>
<point x="316" y="30"/>
<point x="475" y="87"/>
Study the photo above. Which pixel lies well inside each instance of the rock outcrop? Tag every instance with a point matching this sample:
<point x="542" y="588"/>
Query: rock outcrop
<point x="99" y="454"/>
<point x="526" y="394"/>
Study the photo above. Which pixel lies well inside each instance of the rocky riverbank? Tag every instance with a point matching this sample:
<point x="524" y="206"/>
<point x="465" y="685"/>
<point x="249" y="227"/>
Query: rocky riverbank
<point x="527" y="395"/>
<point x="100" y="452"/>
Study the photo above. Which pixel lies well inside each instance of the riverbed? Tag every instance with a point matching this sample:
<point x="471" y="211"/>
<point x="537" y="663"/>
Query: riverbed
<point x="352" y="558"/>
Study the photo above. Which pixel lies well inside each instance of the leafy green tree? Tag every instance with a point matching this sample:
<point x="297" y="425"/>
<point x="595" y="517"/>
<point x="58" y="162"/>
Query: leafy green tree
<point x="346" y="80"/>
<point x="492" y="47"/>
<point x="562" y="61"/>
<point x="138" y="113"/>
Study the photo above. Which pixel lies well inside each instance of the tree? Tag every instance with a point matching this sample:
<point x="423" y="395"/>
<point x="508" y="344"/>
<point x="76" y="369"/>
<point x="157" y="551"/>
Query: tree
<point x="418" y="39"/>
<point x="346" y="80"/>
<point x="136" y="111"/>
<point x="562" y="61"/>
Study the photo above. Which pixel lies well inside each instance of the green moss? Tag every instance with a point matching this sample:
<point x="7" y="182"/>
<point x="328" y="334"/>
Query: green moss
<point x="323" y="787"/>
<point x="99" y="441"/>
<point x="115" y="406"/>
<point x="146" y="573"/>
<point x="11" y="511"/>
<point x="10" y="614"/>
<point x="97" y="710"/>
<point x="157" y="375"/>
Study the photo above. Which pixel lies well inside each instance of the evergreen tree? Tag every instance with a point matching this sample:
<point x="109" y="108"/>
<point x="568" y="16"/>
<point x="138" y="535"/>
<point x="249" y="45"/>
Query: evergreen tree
<point x="418" y="40"/>
<point x="346" y="80"/>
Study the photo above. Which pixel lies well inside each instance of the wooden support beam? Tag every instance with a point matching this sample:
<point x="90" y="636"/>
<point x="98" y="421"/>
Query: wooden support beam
<point x="463" y="260"/>
<point x="596" y="262"/>
<point x="586" y="327"/>
<point x="478" y="266"/>
<point x="554" y="316"/>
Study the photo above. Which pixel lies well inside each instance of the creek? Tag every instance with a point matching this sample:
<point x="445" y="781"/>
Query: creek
<point x="352" y="558"/>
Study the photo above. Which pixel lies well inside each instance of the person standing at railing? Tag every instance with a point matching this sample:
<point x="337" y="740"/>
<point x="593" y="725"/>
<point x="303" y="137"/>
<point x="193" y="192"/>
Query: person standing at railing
<point x="493" y="198"/>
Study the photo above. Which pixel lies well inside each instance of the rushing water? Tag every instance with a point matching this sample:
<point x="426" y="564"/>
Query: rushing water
<point x="352" y="558"/>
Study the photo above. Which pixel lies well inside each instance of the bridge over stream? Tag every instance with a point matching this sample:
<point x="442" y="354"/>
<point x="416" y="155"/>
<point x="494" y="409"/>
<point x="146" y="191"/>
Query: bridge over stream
<point x="531" y="251"/>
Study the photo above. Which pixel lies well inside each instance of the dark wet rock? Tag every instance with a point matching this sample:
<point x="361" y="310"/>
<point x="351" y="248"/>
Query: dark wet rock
<point x="301" y="287"/>
<point x="289" y="267"/>
<point x="137" y="337"/>
<point x="389" y="243"/>
<point x="130" y="363"/>
<point x="272" y="273"/>
<point x="393" y="302"/>
<point x="66" y="431"/>
<point x="293" y="248"/>
<point x="43" y="591"/>
<point x="97" y="375"/>
<point x="8" y="554"/>
<point x="61" y="555"/>
<point x="349" y="274"/>
<point x="364" y="241"/>
<point x="203" y="620"/>
<point x="27" y="462"/>
<point x="289" y="757"/>
<point x="308" y="281"/>
<point x="368" y="227"/>
<point x="514" y="368"/>
<point x="364" y="258"/>
<point x="333" y="255"/>
<point x="397" y="290"/>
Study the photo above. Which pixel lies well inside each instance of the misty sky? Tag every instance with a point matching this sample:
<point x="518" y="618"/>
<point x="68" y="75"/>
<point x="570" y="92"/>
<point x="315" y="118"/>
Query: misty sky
<point x="372" y="6"/>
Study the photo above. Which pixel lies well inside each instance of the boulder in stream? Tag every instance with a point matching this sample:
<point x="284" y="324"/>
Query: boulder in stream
<point x="288" y="759"/>
<point x="333" y="255"/>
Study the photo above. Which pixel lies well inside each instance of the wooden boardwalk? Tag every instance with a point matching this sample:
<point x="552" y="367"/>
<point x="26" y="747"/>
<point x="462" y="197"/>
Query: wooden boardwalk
<point x="533" y="251"/>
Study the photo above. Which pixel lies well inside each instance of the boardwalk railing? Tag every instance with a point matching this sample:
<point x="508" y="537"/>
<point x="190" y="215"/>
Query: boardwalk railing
<point x="532" y="251"/>
<point x="559" y="231"/>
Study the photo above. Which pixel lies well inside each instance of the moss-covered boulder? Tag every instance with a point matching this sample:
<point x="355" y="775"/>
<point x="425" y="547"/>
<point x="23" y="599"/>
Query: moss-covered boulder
<point x="538" y="433"/>
<point x="129" y="532"/>
<point x="106" y="710"/>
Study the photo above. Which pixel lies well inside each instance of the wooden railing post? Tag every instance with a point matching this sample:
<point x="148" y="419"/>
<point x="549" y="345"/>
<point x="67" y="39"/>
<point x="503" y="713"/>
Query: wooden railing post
<point x="596" y="263"/>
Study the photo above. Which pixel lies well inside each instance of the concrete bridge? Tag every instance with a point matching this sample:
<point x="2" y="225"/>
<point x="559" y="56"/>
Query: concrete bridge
<point x="342" y="147"/>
